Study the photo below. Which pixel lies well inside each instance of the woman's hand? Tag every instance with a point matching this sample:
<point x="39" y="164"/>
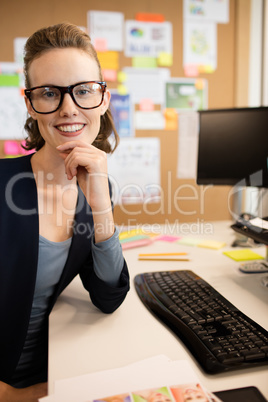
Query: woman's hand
<point x="89" y="165"/>
<point x="29" y="394"/>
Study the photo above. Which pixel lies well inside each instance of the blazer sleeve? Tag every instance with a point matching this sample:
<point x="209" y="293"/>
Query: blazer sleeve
<point x="104" y="296"/>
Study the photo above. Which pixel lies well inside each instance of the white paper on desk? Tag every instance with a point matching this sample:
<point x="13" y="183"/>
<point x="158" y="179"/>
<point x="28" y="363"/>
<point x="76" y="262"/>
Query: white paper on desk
<point x="148" y="373"/>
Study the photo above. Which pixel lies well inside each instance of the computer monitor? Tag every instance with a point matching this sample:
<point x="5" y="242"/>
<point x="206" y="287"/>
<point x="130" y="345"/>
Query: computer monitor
<point x="233" y="147"/>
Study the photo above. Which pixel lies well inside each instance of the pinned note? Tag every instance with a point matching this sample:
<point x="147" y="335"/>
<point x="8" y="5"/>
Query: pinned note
<point x="171" y="117"/>
<point x="121" y="76"/>
<point x="146" y="105"/>
<point x="165" y="59"/>
<point x="144" y="62"/>
<point x="150" y="17"/>
<point x="11" y="148"/>
<point x="206" y="69"/>
<point x="9" y="80"/>
<point x="109" y="75"/>
<point x="191" y="70"/>
<point x="243" y="255"/>
<point x="109" y="60"/>
<point x="122" y="89"/>
<point x="100" y="44"/>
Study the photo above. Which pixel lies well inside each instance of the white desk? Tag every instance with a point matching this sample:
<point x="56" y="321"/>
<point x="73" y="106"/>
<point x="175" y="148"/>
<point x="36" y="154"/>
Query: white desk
<point x="83" y="340"/>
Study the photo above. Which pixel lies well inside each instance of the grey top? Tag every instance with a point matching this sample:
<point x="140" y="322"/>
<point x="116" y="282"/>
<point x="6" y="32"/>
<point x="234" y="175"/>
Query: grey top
<point x="108" y="263"/>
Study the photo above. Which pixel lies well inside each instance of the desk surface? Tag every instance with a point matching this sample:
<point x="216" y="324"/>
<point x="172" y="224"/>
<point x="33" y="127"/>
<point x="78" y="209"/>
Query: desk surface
<point x="83" y="340"/>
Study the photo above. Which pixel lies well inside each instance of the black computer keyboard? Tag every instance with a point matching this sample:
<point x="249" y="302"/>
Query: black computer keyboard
<point x="219" y="336"/>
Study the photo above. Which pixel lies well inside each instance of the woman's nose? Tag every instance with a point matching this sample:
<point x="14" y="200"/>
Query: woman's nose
<point x="68" y="107"/>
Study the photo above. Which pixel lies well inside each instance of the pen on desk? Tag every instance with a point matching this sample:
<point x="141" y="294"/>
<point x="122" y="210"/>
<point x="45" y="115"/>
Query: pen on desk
<point x="162" y="259"/>
<point x="161" y="254"/>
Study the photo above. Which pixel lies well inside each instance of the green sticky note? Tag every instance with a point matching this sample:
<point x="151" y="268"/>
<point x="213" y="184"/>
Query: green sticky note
<point x="189" y="241"/>
<point x="134" y="238"/>
<point x="9" y="80"/>
<point x="243" y="255"/>
<point x="140" y="61"/>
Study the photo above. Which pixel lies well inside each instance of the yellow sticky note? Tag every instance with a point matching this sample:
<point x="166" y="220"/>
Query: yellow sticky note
<point x="206" y="69"/>
<point x="216" y="245"/>
<point x="122" y="89"/>
<point x="243" y="255"/>
<point x="165" y="59"/>
<point x="121" y="76"/>
<point x="130" y="233"/>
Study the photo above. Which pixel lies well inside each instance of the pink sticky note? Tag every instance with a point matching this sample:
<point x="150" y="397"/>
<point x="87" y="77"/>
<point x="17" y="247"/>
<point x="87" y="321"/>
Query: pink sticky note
<point x="24" y="151"/>
<point x="136" y="243"/>
<point x="191" y="70"/>
<point x="11" y="148"/>
<point x="109" y="75"/>
<point x="167" y="238"/>
<point x="100" y="44"/>
<point x="146" y="105"/>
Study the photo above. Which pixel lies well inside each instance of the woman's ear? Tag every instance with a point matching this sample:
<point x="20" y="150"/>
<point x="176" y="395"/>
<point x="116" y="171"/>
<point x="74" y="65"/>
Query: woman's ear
<point x="31" y="112"/>
<point x="106" y="102"/>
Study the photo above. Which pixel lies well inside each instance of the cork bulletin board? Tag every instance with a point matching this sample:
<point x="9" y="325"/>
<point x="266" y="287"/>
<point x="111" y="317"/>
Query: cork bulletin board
<point x="182" y="199"/>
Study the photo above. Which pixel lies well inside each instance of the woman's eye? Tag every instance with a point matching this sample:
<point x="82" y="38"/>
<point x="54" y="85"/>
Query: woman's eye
<point x="82" y="92"/>
<point x="49" y="94"/>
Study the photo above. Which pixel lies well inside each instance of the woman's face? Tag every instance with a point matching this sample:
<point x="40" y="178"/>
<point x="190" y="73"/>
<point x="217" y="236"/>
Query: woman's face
<point x="64" y="67"/>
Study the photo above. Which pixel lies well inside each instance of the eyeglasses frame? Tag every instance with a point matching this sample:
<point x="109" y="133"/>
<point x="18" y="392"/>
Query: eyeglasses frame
<point x="66" y="90"/>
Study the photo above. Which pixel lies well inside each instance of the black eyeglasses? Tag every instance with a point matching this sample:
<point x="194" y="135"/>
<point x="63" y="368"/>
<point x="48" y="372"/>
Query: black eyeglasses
<point x="47" y="99"/>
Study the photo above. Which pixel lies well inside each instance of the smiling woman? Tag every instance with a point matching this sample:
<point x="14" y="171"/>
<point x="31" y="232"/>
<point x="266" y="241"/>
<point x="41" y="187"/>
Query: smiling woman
<point x="46" y="195"/>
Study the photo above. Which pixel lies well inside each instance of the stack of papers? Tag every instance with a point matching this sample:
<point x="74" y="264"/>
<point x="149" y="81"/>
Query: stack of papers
<point x="138" y="382"/>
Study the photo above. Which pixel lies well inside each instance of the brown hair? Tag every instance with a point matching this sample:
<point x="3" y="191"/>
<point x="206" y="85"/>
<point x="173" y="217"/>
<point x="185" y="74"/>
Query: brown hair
<point x="64" y="35"/>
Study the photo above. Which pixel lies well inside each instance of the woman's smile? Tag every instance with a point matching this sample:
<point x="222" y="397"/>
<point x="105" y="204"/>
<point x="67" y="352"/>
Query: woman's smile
<point x="70" y="130"/>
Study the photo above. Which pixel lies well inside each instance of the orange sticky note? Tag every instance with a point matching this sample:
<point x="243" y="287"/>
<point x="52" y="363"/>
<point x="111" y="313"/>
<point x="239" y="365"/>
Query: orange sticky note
<point x="150" y="17"/>
<point x="109" y="60"/>
<point x="171" y="119"/>
<point x="199" y="84"/>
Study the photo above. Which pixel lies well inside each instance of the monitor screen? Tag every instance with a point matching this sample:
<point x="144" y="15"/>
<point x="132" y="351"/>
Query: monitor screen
<point x="233" y="147"/>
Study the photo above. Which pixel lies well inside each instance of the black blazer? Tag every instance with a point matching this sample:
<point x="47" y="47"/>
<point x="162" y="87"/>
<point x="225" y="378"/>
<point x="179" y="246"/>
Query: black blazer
<point x="19" y="239"/>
